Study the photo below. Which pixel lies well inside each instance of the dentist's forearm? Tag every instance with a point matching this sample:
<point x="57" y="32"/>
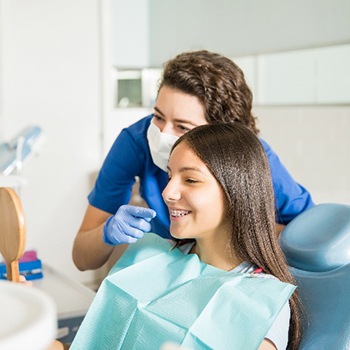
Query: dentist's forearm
<point x="102" y="233"/>
<point x="89" y="250"/>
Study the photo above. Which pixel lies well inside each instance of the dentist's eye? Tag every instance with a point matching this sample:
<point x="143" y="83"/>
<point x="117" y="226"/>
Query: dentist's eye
<point x="158" y="118"/>
<point x="183" y="129"/>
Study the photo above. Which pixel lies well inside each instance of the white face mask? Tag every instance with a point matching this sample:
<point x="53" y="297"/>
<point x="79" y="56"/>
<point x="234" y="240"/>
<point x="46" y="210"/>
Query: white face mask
<point x="160" y="145"/>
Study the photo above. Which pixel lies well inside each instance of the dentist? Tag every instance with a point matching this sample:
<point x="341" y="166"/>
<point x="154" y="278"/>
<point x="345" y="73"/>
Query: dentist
<point x="197" y="88"/>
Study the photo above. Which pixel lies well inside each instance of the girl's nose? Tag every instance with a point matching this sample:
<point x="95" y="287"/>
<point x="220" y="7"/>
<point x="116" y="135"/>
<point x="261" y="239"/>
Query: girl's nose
<point x="171" y="193"/>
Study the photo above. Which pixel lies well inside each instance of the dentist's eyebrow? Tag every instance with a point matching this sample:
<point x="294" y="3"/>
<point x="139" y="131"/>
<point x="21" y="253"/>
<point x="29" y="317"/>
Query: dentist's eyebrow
<point x="159" y="111"/>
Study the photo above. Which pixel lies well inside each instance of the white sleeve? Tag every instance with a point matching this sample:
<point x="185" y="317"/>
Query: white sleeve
<point x="278" y="333"/>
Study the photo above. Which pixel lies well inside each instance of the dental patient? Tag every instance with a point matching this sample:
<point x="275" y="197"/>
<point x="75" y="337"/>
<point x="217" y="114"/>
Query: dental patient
<point x="223" y="282"/>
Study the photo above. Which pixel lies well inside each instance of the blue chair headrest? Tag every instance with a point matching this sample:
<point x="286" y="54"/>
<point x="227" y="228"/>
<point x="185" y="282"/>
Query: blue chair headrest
<point x="318" y="240"/>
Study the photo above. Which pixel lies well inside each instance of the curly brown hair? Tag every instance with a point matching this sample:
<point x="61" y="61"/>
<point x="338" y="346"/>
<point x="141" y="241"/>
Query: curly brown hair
<point x="216" y="81"/>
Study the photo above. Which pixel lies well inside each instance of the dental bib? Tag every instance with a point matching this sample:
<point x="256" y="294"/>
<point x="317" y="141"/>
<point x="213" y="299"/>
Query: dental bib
<point x="154" y="295"/>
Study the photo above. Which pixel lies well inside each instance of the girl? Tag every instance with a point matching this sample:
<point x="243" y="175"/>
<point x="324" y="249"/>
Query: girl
<point x="225" y="283"/>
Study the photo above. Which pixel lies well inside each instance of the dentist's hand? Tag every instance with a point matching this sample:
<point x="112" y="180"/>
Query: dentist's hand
<point x="128" y="225"/>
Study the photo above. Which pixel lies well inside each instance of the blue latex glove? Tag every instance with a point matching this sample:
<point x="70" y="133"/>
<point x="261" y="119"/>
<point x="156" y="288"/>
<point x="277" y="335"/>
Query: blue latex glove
<point x="127" y="225"/>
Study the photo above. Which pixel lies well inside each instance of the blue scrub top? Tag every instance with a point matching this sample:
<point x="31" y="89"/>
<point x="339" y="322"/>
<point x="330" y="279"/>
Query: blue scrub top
<point x="130" y="157"/>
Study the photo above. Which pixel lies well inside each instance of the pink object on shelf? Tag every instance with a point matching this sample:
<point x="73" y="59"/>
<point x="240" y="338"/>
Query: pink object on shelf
<point x="29" y="255"/>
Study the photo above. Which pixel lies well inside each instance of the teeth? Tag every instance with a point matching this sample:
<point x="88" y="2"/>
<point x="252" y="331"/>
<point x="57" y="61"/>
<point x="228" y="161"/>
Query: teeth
<point x="178" y="213"/>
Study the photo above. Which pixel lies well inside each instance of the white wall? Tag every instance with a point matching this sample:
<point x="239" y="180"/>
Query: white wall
<point x="245" y="27"/>
<point x="50" y="76"/>
<point x="1" y="78"/>
<point x="313" y="143"/>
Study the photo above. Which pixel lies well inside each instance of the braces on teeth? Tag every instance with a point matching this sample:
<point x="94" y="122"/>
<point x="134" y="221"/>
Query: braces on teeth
<point x="178" y="213"/>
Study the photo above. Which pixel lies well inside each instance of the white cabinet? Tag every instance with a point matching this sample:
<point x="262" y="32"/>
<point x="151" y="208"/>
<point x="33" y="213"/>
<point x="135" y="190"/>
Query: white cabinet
<point x="302" y="77"/>
<point x="333" y="75"/>
<point x="287" y="78"/>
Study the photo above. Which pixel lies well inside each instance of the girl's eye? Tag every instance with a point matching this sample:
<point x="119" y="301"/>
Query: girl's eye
<point x="192" y="181"/>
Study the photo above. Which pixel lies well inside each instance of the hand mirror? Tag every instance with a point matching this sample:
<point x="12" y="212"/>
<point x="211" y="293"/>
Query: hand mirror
<point x="12" y="231"/>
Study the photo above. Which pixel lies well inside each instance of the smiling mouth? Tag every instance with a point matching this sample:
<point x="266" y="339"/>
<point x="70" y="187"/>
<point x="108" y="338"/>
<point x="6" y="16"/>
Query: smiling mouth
<point x="179" y="213"/>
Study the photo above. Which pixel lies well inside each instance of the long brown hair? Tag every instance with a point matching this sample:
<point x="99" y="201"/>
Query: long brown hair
<point x="216" y="81"/>
<point x="237" y="160"/>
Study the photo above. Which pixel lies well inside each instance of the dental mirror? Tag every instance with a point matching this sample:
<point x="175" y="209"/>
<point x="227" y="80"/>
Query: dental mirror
<point x="12" y="231"/>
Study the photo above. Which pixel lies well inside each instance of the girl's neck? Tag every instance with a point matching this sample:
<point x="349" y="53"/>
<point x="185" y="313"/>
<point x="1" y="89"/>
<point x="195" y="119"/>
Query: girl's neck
<point x="218" y="255"/>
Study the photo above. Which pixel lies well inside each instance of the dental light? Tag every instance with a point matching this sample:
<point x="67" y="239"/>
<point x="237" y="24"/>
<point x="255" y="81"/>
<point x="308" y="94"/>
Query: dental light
<point x="18" y="149"/>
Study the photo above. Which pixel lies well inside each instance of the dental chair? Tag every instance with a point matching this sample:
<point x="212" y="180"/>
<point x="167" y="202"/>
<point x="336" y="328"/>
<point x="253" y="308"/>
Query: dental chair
<point x="317" y="248"/>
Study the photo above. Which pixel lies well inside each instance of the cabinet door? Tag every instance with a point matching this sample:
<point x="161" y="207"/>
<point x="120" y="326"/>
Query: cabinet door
<point x="286" y="78"/>
<point x="333" y="75"/>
